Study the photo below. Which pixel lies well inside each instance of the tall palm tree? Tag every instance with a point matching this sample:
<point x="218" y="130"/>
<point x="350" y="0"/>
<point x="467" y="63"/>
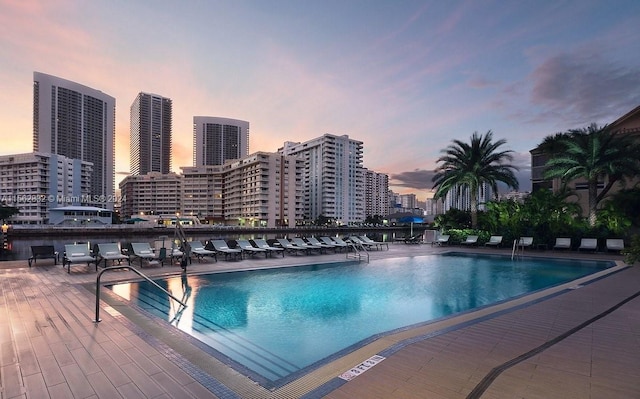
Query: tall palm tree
<point x="594" y="154"/>
<point x="473" y="165"/>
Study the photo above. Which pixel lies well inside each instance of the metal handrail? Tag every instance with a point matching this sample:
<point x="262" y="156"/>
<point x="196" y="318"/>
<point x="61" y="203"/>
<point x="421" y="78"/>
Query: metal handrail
<point x="97" y="319"/>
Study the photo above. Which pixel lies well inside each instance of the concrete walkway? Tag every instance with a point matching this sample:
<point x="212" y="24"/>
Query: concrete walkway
<point x="579" y="341"/>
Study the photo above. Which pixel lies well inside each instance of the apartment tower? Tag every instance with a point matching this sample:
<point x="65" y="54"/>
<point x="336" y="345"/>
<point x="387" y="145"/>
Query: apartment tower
<point x="217" y="140"/>
<point x="151" y="119"/>
<point x="77" y="122"/>
<point x="333" y="179"/>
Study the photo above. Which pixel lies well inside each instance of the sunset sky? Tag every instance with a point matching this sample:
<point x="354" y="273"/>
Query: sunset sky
<point x="405" y="77"/>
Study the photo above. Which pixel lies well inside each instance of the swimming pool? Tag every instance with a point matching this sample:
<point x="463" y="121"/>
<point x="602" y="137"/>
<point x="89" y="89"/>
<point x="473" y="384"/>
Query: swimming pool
<point x="275" y="323"/>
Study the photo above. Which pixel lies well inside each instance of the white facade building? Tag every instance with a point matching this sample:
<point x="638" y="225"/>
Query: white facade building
<point x="459" y="197"/>
<point x="333" y="179"/>
<point x="217" y="140"/>
<point x="77" y="122"/>
<point x="37" y="182"/>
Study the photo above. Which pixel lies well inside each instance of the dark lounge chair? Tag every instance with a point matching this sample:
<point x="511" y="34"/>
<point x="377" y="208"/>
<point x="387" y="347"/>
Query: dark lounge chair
<point x="43" y="252"/>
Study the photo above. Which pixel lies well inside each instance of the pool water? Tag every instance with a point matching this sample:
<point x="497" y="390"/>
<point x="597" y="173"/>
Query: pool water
<point x="274" y="323"/>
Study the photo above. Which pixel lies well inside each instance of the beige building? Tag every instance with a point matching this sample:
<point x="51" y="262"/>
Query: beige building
<point x="154" y="193"/>
<point x="263" y="190"/>
<point x="202" y="193"/>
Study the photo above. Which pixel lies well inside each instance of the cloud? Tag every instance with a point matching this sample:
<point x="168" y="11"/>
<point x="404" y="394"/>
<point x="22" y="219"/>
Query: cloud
<point x="421" y="179"/>
<point x="418" y="179"/>
<point x="584" y="88"/>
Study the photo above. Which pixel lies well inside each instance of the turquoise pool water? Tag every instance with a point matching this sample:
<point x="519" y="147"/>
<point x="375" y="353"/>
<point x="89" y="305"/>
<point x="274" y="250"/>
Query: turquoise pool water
<point x="274" y="323"/>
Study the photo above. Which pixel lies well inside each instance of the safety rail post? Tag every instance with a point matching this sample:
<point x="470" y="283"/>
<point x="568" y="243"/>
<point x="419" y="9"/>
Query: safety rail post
<point x="97" y="319"/>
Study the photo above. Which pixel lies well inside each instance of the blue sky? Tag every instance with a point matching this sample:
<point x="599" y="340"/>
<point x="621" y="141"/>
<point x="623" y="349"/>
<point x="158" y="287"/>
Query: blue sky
<point x="404" y="77"/>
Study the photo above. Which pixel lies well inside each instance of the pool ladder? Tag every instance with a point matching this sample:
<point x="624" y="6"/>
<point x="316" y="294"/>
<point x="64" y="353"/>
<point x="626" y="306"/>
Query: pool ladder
<point x="139" y="273"/>
<point x="357" y="251"/>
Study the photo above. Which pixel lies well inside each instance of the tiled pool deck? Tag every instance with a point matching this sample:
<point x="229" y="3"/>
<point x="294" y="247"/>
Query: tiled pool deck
<point x="581" y="340"/>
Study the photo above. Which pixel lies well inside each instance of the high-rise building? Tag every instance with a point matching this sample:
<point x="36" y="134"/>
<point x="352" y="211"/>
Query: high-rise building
<point x="217" y="140"/>
<point x="150" y="148"/>
<point x="77" y="122"/>
<point x="376" y="199"/>
<point x="36" y="182"/>
<point x="333" y="178"/>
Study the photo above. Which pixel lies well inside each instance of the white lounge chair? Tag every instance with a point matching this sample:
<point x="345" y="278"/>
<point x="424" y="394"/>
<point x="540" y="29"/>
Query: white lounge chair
<point x="358" y="242"/>
<point x="246" y="247"/>
<point x="144" y="253"/>
<point x="324" y="245"/>
<point x="302" y="243"/>
<point x="470" y="240"/>
<point x="378" y="244"/>
<point x="222" y="247"/>
<point x="78" y="254"/>
<point x="525" y="242"/>
<point x="291" y="247"/>
<point x="336" y="244"/>
<point x="262" y="243"/>
<point x="197" y="248"/>
<point x="562" y="243"/>
<point x="614" y="244"/>
<point x="494" y="241"/>
<point x="441" y="240"/>
<point x="110" y="252"/>
<point x="588" y="244"/>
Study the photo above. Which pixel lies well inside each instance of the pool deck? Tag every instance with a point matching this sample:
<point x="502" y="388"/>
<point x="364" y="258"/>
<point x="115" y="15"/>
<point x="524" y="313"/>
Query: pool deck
<point x="579" y="340"/>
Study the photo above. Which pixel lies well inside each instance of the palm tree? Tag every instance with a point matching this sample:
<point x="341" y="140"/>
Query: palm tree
<point x="473" y="165"/>
<point x="594" y="154"/>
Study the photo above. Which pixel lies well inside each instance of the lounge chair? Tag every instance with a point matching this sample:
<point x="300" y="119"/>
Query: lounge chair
<point x="222" y="247"/>
<point x="246" y="247"/>
<point x="470" y="240"/>
<point x="43" y="252"/>
<point x="525" y="242"/>
<point x="337" y="245"/>
<point x="198" y="249"/>
<point x="302" y="243"/>
<point x="262" y="243"/>
<point x="324" y="245"/>
<point x="359" y="243"/>
<point x="562" y="243"/>
<point x="291" y="247"/>
<point x="614" y="244"/>
<point x="416" y="239"/>
<point x="110" y="252"/>
<point x="145" y="255"/>
<point x="494" y="241"/>
<point x="78" y="254"/>
<point x="378" y="244"/>
<point x="441" y="240"/>
<point x="588" y="244"/>
<point x="172" y="250"/>
<point x="340" y="241"/>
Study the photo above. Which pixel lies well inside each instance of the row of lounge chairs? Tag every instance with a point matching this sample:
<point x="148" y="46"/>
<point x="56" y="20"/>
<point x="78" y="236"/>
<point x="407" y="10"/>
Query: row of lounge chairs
<point x="143" y="254"/>
<point x="586" y="244"/>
